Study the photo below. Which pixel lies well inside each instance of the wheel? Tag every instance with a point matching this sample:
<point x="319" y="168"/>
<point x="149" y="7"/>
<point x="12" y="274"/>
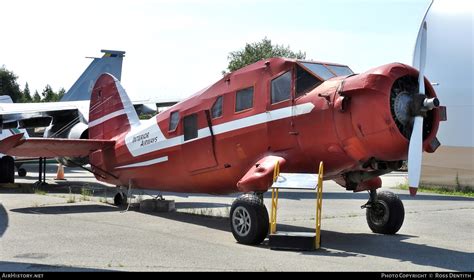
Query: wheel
<point x="22" y="172"/>
<point x="386" y="215"/>
<point x="249" y="220"/>
<point x="7" y="173"/>
<point x="120" y="199"/>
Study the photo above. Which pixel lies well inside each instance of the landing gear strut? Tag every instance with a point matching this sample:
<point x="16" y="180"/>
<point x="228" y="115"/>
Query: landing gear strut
<point x="249" y="219"/>
<point x="384" y="212"/>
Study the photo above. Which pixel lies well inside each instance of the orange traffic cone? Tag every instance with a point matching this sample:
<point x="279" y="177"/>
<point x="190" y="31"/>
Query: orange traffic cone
<point x="60" y="173"/>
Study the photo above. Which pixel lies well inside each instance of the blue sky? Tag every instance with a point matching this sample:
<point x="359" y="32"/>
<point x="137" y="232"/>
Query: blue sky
<point x="177" y="47"/>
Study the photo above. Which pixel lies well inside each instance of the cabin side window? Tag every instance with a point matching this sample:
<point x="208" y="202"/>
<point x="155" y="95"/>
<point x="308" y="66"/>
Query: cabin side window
<point x="305" y="81"/>
<point x="281" y="88"/>
<point x="216" y="110"/>
<point x="190" y="127"/>
<point x="174" y="120"/>
<point x="244" y="99"/>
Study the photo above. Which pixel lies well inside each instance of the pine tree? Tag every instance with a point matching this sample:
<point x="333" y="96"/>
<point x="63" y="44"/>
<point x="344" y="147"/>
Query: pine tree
<point x="36" y="97"/>
<point x="26" y="96"/>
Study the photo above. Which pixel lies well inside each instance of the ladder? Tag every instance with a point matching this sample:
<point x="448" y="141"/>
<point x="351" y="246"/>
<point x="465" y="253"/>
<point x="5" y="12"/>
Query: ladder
<point x="305" y="241"/>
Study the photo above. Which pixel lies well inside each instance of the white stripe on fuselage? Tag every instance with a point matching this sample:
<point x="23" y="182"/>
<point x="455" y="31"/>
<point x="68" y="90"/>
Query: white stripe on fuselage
<point x="144" y="163"/>
<point x="107" y="117"/>
<point x="148" y="137"/>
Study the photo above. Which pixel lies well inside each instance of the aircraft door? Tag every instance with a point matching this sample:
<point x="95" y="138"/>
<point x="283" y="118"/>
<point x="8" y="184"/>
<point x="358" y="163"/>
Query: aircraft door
<point x="280" y="107"/>
<point x="198" y="148"/>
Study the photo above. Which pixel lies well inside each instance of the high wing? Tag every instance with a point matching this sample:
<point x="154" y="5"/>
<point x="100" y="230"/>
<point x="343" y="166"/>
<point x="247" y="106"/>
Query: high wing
<point x="16" y="145"/>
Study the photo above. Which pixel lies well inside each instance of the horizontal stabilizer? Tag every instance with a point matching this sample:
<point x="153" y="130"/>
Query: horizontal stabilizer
<point x="16" y="145"/>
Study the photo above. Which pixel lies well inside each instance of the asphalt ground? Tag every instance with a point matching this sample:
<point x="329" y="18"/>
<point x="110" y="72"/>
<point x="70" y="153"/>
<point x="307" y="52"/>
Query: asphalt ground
<point x="72" y="226"/>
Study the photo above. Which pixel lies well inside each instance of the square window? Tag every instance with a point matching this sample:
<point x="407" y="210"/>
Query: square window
<point x="281" y="88"/>
<point x="244" y="99"/>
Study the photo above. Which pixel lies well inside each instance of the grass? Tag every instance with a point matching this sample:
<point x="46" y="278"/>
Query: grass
<point x="456" y="191"/>
<point x="86" y="194"/>
<point x="40" y="192"/>
<point x="71" y="199"/>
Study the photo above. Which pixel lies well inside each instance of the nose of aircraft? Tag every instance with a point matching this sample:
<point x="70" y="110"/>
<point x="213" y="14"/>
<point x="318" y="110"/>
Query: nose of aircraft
<point x="385" y="104"/>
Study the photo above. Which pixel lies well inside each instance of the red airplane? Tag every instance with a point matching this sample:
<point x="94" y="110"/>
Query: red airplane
<point x="228" y="137"/>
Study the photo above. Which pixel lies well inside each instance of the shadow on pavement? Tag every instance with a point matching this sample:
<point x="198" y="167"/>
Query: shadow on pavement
<point x="3" y="220"/>
<point x="337" y="244"/>
<point x="192" y="205"/>
<point x="35" y="267"/>
<point x="397" y="247"/>
<point x="67" y="209"/>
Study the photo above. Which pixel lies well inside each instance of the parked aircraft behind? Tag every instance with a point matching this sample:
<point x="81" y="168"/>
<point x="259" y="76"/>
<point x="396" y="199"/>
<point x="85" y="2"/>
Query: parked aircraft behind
<point x="68" y="119"/>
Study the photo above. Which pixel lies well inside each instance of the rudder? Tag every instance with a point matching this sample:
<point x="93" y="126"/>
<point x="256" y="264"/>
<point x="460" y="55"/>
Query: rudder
<point x="111" y="112"/>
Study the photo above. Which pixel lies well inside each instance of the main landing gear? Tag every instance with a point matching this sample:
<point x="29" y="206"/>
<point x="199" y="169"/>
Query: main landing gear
<point x="249" y="219"/>
<point x="385" y="212"/>
<point x="250" y="224"/>
<point x="120" y="199"/>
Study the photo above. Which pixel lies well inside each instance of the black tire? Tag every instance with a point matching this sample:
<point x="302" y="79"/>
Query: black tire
<point x="22" y="172"/>
<point x="250" y="210"/>
<point x="7" y="173"/>
<point x="387" y="214"/>
<point x="120" y="199"/>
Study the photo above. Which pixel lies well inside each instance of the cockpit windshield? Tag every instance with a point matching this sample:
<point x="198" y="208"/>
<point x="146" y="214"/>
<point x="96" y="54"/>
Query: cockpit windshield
<point x="340" y="70"/>
<point x="327" y="71"/>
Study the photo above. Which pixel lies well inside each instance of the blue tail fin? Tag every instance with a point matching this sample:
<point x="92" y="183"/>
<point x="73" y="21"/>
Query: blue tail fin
<point x="111" y="63"/>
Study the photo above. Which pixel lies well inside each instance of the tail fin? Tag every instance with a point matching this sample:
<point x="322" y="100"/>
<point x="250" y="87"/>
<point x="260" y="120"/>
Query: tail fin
<point x="110" y="62"/>
<point x="111" y="112"/>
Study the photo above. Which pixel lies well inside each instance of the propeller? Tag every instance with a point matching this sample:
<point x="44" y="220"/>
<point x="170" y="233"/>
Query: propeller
<point x="421" y="103"/>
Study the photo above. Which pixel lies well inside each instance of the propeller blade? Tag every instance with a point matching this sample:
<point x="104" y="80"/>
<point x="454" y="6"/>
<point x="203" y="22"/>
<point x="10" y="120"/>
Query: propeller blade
<point x="421" y="77"/>
<point x="415" y="151"/>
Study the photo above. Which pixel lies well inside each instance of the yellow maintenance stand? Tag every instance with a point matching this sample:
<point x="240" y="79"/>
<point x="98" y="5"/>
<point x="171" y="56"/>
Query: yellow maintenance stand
<point x="302" y="241"/>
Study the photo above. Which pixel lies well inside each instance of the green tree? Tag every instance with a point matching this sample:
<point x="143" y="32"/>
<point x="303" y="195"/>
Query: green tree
<point x="49" y="95"/>
<point x="257" y="51"/>
<point x="26" y="96"/>
<point x="61" y="93"/>
<point x="36" y="97"/>
<point x="9" y="85"/>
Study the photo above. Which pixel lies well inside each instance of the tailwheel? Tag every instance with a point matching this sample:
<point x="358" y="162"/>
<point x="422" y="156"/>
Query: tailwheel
<point x="249" y="219"/>
<point x="22" y="172"/>
<point x="385" y="213"/>
<point x="120" y="199"/>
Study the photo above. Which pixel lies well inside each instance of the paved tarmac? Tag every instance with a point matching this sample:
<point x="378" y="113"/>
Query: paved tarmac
<point x="64" y="230"/>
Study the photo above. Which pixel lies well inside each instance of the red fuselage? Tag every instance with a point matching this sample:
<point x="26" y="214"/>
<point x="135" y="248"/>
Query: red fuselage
<point x="344" y="121"/>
